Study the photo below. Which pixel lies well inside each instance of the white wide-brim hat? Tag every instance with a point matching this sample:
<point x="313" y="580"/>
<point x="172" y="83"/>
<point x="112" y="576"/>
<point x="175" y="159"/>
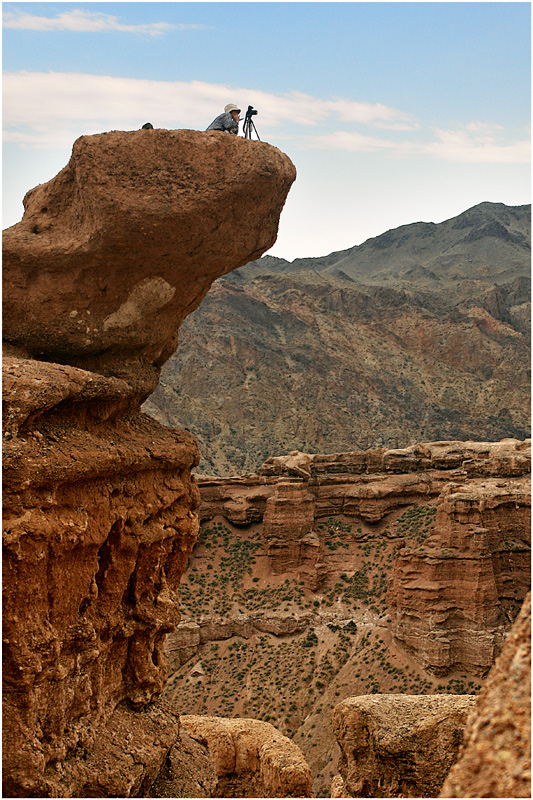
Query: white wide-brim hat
<point x="231" y="107"/>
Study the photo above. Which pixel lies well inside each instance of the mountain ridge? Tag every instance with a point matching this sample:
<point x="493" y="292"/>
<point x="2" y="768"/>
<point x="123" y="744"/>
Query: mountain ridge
<point x="361" y="348"/>
<point x="491" y="220"/>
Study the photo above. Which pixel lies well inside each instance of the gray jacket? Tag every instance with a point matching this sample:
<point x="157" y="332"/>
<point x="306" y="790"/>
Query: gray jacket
<point x="224" y="122"/>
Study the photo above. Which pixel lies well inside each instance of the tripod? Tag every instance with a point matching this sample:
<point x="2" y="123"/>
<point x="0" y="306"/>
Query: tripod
<point x="249" y="124"/>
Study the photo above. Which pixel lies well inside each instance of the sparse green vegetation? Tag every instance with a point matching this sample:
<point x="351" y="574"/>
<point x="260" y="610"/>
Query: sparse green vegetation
<point x="299" y="676"/>
<point x="417" y="523"/>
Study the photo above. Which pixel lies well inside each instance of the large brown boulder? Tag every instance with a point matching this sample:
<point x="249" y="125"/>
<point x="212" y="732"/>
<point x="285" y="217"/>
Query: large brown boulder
<point x="495" y="760"/>
<point x="251" y="758"/>
<point x="398" y="745"/>
<point x="125" y="241"/>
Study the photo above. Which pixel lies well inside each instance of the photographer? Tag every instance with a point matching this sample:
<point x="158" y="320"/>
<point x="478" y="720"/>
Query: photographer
<point x="228" y="121"/>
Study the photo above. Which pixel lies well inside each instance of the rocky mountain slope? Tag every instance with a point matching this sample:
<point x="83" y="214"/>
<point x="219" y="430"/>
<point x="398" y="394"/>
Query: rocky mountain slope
<point x="419" y="334"/>
<point x="323" y="577"/>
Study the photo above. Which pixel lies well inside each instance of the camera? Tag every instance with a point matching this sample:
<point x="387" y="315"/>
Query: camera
<point x="249" y="125"/>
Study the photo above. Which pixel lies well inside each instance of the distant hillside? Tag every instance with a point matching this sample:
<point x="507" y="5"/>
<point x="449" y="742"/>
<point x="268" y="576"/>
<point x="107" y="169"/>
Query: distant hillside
<point x="421" y="333"/>
<point x="490" y="242"/>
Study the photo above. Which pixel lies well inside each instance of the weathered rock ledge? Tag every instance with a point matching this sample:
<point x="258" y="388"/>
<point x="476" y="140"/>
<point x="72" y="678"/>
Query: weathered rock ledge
<point x="361" y="483"/>
<point x="183" y="643"/>
<point x="399" y="745"/>
<point x="251" y="758"/>
<point x="99" y="519"/>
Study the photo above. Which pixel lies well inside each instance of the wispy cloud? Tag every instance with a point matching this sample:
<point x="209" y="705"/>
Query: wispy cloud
<point x="309" y="110"/>
<point x="52" y="109"/>
<point x="475" y="142"/>
<point x="43" y="107"/>
<point x="83" y="22"/>
<point x="478" y="142"/>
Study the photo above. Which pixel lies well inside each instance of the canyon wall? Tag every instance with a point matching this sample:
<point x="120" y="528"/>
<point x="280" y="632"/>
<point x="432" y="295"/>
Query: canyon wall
<point x="99" y="519"/>
<point x="456" y="586"/>
<point x="452" y="597"/>
<point x="100" y="508"/>
<point x="324" y="577"/>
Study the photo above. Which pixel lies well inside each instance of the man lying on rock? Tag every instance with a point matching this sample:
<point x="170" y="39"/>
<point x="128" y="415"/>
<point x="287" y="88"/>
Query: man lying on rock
<point x="228" y="121"/>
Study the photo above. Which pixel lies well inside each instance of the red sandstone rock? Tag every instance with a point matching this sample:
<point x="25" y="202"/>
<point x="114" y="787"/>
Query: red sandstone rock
<point x="287" y="526"/>
<point x="99" y="500"/>
<point x="183" y="643"/>
<point x="125" y="241"/>
<point x="452" y="598"/>
<point x="214" y="629"/>
<point x="99" y="519"/>
<point x="398" y="745"/>
<point x="251" y="758"/>
<point x="495" y="759"/>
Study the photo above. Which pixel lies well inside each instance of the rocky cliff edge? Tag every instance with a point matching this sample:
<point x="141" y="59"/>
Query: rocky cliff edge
<point x="99" y="501"/>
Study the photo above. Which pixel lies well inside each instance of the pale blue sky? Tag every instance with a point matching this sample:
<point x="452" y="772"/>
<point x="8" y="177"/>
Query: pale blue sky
<point x="392" y="112"/>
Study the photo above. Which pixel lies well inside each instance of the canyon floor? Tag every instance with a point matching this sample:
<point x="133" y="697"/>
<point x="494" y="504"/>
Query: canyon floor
<point x="293" y="680"/>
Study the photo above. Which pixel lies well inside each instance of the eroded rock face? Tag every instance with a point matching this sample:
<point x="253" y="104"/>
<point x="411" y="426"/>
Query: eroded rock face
<point x="495" y="759"/>
<point x="99" y="520"/>
<point x="187" y="772"/>
<point x="125" y="241"/>
<point x="251" y="758"/>
<point x="288" y="525"/>
<point x="451" y="599"/>
<point x="398" y="745"/>
<point x="99" y="500"/>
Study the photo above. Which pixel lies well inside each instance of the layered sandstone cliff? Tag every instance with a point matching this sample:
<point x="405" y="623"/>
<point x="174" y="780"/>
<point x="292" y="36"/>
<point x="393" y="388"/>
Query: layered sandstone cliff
<point x="460" y="746"/>
<point x="452" y="597"/>
<point x="459" y="575"/>
<point x="99" y="501"/>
